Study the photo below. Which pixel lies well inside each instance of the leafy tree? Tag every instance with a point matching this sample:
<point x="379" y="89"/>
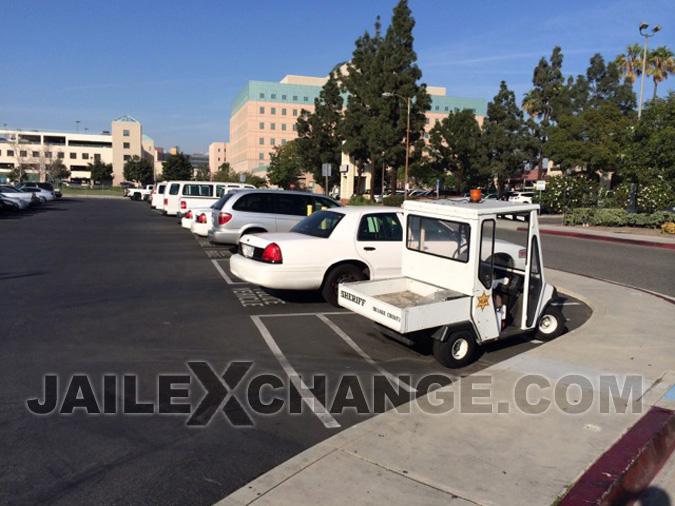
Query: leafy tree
<point x="630" y="62"/>
<point x="100" y="171"/>
<point x="590" y="135"/>
<point x="360" y="113"/>
<point x="57" y="171"/>
<point x="506" y="138"/>
<point x="203" y="173"/>
<point x="318" y="139"/>
<point x="650" y="149"/>
<point x="660" y="64"/>
<point x="19" y="174"/>
<point x="285" y="165"/>
<point x="401" y="75"/>
<point x="455" y="146"/>
<point x="542" y="101"/>
<point x="375" y="127"/>
<point x="139" y="170"/>
<point x="177" y="168"/>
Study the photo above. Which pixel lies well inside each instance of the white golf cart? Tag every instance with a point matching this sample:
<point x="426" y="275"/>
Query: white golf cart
<point x="456" y="285"/>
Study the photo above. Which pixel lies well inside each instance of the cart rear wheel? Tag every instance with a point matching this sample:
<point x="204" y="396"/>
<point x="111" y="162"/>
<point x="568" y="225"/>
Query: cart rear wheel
<point x="457" y="351"/>
<point x="341" y="274"/>
<point x="551" y="324"/>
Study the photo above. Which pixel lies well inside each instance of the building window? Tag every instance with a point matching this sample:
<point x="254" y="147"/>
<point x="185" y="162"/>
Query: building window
<point x="48" y="154"/>
<point x="306" y="99"/>
<point x="283" y="97"/>
<point x="10" y="152"/>
<point x="262" y="95"/>
<point x="85" y="156"/>
<point x="283" y="112"/>
<point x="261" y="156"/>
<point x="261" y="125"/>
<point x="447" y="108"/>
<point x="426" y="121"/>
<point x="125" y="133"/>
<point x="127" y="157"/>
<point x="272" y="126"/>
<point x="274" y="96"/>
<point x="35" y="154"/>
<point x="438" y="108"/>
<point x="97" y="156"/>
<point x="23" y="153"/>
<point x="295" y="112"/>
<point x="436" y="121"/>
<point x="283" y="126"/>
<point x="262" y="110"/>
<point x="283" y="142"/>
<point x="295" y="127"/>
<point x="127" y="145"/>
<point x="272" y="142"/>
<point x="295" y="98"/>
<point x="61" y="155"/>
<point x="261" y="141"/>
<point x="73" y="156"/>
<point x="273" y="110"/>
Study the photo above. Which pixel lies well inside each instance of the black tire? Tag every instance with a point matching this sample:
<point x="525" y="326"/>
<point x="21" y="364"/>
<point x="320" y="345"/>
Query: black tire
<point x="458" y="350"/>
<point x="136" y="196"/>
<point x="340" y="274"/>
<point x="551" y="324"/>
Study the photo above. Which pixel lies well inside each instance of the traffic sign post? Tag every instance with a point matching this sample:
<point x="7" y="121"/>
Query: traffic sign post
<point x="326" y="171"/>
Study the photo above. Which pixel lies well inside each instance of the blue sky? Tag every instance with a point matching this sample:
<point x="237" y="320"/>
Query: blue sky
<point x="176" y="65"/>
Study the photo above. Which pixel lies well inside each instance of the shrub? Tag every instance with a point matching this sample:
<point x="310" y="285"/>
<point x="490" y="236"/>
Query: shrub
<point x="668" y="227"/>
<point x="360" y="200"/>
<point x="570" y="193"/>
<point x="618" y="218"/>
<point x="649" y="196"/>
<point x="393" y="200"/>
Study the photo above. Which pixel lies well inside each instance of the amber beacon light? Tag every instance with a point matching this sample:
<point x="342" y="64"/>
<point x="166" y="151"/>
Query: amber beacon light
<point x="474" y="195"/>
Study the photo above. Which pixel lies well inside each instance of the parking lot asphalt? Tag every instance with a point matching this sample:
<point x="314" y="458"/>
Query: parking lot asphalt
<point x="116" y="302"/>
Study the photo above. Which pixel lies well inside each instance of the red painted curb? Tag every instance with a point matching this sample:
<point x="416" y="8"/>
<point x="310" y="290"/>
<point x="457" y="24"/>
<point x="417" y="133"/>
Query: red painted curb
<point x="583" y="235"/>
<point x="624" y="471"/>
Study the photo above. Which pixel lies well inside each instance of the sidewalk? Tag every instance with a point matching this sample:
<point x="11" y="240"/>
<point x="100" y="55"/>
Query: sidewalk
<point x="659" y="241"/>
<point x="437" y="455"/>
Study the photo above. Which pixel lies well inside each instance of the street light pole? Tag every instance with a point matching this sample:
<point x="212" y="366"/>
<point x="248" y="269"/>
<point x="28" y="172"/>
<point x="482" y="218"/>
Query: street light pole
<point x="644" y="26"/>
<point x="77" y="126"/>
<point x="407" y="142"/>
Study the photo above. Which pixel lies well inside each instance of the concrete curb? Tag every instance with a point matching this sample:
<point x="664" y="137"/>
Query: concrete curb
<point x="624" y="471"/>
<point x="609" y="238"/>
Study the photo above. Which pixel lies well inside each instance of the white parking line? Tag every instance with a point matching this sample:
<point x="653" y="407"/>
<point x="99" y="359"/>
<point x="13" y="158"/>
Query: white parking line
<point x="305" y="393"/>
<point x="357" y="349"/>
<point x="566" y="303"/>
<point x="225" y="276"/>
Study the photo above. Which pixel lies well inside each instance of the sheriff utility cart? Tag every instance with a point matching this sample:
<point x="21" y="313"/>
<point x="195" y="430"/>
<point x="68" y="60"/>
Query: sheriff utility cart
<point x="460" y="282"/>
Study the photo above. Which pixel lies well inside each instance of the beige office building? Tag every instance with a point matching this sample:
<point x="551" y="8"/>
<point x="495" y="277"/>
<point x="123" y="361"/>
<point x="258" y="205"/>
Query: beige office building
<point x="263" y="116"/>
<point x="217" y="155"/>
<point x="36" y="149"/>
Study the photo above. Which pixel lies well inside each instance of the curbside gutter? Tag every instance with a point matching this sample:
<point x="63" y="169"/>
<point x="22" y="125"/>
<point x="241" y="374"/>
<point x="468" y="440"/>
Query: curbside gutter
<point x="609" y="237"/>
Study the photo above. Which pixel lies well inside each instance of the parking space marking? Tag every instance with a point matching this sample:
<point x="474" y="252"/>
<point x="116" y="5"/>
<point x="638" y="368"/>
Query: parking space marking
<point x="363" y="354"/>
<point x="565" y="303"/>
<point x="305" y="393"/>
<point x="225" y="276"/>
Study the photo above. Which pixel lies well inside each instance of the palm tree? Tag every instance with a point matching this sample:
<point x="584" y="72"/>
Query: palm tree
<point x="631" y="62"/>
<point x="660" y="63"/>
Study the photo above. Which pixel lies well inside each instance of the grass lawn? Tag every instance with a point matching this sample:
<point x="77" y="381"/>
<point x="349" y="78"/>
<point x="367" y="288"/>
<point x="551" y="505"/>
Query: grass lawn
<point x="74" y="191"/>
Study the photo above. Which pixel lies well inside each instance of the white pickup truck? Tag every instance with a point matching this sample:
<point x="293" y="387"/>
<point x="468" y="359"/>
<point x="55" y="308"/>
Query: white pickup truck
<point x="139" y="193"/>
<point x="456" y="286"/>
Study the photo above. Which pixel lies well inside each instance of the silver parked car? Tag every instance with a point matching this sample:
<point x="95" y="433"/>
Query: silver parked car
<point x="253" y="211"/>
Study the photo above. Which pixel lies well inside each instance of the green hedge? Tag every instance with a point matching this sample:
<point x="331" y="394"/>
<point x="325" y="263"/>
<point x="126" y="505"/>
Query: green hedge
<point x="393" y="200"/>
<point x="361" y="200"/>
<point x="618" y="218"/>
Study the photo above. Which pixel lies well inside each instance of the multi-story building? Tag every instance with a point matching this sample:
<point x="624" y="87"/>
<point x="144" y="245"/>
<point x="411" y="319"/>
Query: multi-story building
<point x="263" y="116"/>
<point x="217" y="155"/>
<point x="36" y="149"/>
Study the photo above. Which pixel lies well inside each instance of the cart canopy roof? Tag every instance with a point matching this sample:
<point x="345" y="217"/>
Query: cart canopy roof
<point x="461" y="207"/>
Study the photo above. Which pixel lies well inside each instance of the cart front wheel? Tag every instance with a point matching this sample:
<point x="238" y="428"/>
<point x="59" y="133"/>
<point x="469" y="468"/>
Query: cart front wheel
<point x="457" y="351"/>
<point x="551" y="323"/>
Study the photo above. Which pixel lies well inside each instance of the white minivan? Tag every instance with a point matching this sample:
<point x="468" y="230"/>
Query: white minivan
<point x="179" y="196"/>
